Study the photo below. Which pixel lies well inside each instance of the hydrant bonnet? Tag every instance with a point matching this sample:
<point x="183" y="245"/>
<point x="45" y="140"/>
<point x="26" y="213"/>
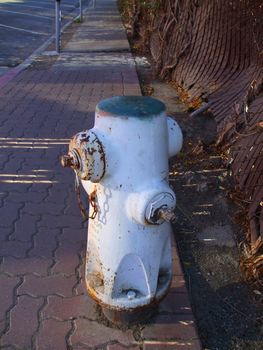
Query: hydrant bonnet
<point x="130" y="107"/>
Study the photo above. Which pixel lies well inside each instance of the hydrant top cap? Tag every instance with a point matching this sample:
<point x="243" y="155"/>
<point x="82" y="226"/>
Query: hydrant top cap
<point x="131" y="106"/>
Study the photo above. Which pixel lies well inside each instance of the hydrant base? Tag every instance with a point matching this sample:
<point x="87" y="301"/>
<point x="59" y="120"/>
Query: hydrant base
<point x="130" y="318"/>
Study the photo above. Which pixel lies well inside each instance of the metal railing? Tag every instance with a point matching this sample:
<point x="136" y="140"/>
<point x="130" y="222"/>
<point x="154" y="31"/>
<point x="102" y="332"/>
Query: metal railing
<point x="59" y="17"/>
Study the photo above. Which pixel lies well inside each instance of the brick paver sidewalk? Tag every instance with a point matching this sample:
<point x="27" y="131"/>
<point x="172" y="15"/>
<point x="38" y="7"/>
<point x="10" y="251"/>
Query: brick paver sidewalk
<point x="43" y="301"/>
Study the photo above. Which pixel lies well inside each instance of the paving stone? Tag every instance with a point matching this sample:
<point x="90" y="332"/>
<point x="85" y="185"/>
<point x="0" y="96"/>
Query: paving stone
<point x="12" y="187"/>
<point x="81" y="286"/>
<point x="41" y="188"/>
<point x="14" y="248"/>
<point x="178" y="284"/>
<point x="9" y="213"/>
<point x="177" y="268"/>
<point x="168" y="327"/>
<point x="60" y="197"/>
<point x="44" y="208"/>
<point x="45" y="243"/>
<point x="67" y="259"/>
<point x="23" y="322"/>
<point x="91" y="334"/>
<point x="3" y="159"/>
<point x="74" y="235"/>
<point x="14" y="164"/>
<point x="2" y="325"/>
<point x="176" y="303"/>
<point x="52" y="335"/>
<point x="43" y="286"/>
<point x="176" y="345"/>
<point x="5" y="232"/>
<point x="69" y="308"/>
<point x="32" y="197"/>
<point x="24" y="266"/>
<point x="61" y="221"/>
<point x="8" y="347"/>
<point x="8" y="285"/>
<point x="25" y="227"/>
<point x="121" y="347"/>
<point x="73" y="208"/>
<point x="81" y="347"/>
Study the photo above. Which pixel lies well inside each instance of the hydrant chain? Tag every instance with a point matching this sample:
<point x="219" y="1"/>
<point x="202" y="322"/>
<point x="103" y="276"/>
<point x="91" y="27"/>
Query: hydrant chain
<point x="91" y="200"/>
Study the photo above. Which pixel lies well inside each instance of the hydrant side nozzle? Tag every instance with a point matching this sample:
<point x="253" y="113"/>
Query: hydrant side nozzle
<point x="144" y="205"/>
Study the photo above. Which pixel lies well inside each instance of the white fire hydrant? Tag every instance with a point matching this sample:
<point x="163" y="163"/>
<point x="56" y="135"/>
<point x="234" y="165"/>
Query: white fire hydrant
<point x="123" y="166"/>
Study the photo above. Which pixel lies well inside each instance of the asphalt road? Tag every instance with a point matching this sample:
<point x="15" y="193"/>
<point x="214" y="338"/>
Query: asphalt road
<point x="27" y="24"/>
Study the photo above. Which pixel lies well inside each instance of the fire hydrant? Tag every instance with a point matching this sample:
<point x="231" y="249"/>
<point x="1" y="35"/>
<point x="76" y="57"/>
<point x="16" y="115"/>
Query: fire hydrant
<point x="122" y="163"/>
